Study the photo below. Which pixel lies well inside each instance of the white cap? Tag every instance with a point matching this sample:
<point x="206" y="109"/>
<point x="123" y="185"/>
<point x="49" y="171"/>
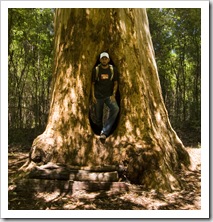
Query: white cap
<point x="104" y="54"/>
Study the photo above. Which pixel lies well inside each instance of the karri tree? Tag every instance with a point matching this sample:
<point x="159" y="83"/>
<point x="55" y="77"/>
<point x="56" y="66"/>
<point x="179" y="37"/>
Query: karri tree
<point x="143" y="139"/>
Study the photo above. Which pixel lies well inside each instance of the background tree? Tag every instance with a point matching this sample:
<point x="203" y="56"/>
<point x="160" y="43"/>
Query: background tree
<point x="176" y="35"/>
<point x="144" y="139"/>
<point x="30" y="36"/>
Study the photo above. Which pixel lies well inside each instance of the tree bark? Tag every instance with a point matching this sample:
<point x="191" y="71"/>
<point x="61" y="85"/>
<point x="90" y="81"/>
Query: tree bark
<point x="144" y="140"/>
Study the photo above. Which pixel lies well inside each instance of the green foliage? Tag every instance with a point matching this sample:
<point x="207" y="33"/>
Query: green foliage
<point x="30" y="36"/>
<point x="176" y="36"/>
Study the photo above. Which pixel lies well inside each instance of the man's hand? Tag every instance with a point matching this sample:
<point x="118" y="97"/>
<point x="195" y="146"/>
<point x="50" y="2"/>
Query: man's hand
<point x="94" y="100"/>
<point x="112" y="98"/>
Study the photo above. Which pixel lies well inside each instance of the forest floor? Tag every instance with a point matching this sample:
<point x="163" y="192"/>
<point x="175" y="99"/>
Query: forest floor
<point x="134" y="199"/>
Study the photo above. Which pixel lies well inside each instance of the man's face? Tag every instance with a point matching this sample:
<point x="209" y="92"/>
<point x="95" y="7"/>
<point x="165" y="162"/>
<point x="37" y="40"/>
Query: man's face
<point x="104" y="61"/>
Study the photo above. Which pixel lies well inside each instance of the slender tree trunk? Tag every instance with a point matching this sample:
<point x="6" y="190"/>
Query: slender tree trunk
<point x="144" y="140"/>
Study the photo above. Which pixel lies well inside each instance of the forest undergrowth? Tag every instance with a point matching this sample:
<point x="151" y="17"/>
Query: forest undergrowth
<point x="135" y="199"/>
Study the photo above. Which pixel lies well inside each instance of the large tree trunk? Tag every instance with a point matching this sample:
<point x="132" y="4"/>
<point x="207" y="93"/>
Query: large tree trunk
<point x="144" y="140"/>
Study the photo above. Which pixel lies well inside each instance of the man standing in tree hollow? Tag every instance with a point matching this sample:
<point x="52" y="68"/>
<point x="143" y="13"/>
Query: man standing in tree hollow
<point x="104" y="88"/>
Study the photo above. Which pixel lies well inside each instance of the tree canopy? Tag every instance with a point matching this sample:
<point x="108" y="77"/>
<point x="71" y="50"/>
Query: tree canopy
<point x="176" y="35"/>
<point x="30" y="37"/>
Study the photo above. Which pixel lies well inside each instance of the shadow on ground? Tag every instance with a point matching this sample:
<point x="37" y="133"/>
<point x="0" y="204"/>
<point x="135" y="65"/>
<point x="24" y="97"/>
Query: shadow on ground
<point x="23" y="197"/>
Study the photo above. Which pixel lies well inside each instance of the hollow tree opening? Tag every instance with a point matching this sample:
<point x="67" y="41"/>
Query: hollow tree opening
<point x="92" y="117"/>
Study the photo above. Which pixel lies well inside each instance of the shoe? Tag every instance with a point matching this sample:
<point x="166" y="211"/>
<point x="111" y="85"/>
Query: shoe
<point x="102" y="138"/>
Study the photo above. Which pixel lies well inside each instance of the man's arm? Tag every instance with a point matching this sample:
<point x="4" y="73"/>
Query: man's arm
<point x="115" y="88"/>
<point x="93" y="86"/>
<point x="93" y="93"/>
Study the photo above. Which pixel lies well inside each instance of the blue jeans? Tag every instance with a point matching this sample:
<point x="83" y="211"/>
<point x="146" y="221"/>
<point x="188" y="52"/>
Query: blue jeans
<point x="113" y="112"/>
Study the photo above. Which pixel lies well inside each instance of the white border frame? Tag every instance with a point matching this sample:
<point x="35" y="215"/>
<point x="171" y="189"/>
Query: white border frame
<point x="204" y="212"/>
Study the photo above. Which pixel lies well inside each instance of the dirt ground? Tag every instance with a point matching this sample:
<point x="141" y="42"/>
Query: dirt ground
<point x="134" y="199"/>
